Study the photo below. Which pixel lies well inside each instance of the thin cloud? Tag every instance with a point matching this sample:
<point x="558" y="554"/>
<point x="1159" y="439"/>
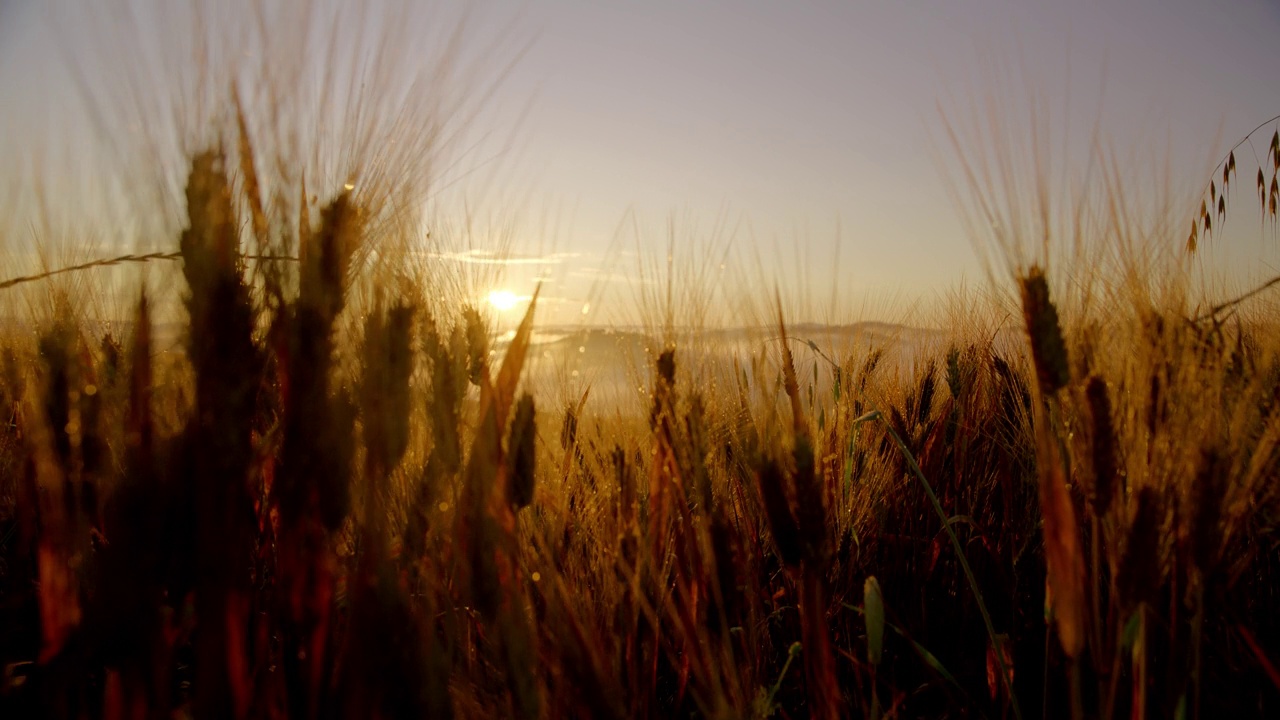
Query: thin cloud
<point x="600" y="275"/>
<point x="489" y="257"/>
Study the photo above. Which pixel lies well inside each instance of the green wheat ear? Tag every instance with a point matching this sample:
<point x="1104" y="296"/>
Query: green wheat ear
<point x="873" y="603"/>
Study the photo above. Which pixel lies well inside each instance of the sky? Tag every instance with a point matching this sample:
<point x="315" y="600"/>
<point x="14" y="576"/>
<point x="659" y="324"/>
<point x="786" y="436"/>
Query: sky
<point x="805" y="141"/>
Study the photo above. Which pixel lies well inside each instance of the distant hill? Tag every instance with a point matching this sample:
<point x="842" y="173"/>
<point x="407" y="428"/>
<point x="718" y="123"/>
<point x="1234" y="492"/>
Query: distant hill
<point x="565" y="361"/>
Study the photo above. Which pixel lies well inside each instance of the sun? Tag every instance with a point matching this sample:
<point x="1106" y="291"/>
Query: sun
<point x="503" y="299"/>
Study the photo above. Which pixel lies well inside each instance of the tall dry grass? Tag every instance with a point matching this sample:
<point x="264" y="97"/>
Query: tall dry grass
<point x="313" y="522"/>
<point x="336" y="498"/>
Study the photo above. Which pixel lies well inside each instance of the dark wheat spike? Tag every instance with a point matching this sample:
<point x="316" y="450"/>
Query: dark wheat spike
<point x="625" y="479"/>
<point x="811" y="510"/>
<point x="954" y="382"/>
<point x="1138" y="576"/>
<point x="868" y="367"/>
<point x="138" y="422"/>
<point x="928" y="385"/>
<point x="523" y="452"/>
<point x="325" y="266"/>
<point x="1104" y="445"/>
<point x="219" y="443"/>
<point x="443" y="403"/>
<point x="477" y="345"/>
<point x="1206" y="509"/>
<point x="1048" y="351"/>
<point x="773" y="493"/>
<point x="388" y="365"/>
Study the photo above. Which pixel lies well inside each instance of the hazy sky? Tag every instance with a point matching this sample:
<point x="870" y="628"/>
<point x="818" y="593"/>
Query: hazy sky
<point x="786" y="120"/>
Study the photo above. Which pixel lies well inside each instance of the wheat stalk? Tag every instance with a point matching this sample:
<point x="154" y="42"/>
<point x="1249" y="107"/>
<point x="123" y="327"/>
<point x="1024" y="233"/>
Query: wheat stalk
<point x="121" y="260"/>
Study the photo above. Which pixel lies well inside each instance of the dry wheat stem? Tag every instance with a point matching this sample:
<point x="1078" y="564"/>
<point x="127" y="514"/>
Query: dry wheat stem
<point x="109" y="262"/>
<point x="1213" y="312"/>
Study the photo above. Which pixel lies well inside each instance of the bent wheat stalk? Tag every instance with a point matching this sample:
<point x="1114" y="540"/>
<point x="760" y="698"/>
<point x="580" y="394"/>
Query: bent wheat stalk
<point x="121" y="260"/>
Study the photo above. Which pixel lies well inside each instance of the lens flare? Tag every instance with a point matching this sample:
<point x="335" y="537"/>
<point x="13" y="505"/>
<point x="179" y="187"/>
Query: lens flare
<point x="503" y="299"/>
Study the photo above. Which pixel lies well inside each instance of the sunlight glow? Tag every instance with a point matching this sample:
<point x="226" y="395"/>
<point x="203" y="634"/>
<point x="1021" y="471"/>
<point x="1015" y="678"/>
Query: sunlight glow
<point x="503" y="299"/>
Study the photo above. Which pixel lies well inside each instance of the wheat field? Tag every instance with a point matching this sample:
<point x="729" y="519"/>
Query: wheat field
<point x="309" y="478"/>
